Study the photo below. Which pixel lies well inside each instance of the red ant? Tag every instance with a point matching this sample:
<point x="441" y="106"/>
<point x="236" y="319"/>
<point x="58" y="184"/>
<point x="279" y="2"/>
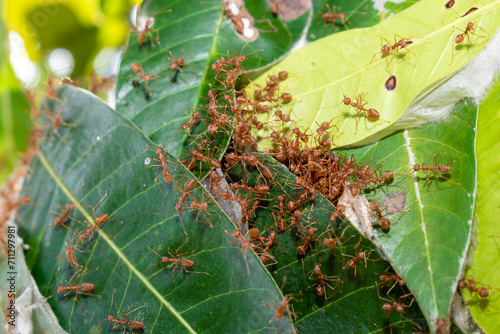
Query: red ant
<point x="167" y="176"/>
<point x="460" y="37"/>
<point x="339" y="211"/>
<point x="384" y="223"/>
<point x="35" y="112"/>
<point x="101" y="219"/>
<point x="282" y="309"/>
<point x="188" y="185"/>
<point x="388" y="49"/>
<point x="302" y="248"/>
<point x="320" y="285"/>
<point x="392" y="305"/>
<point x="331" y="17"/>
<point x="470" y="284"/>
<point x="179" y="260"/>
<point x="141" y="36"/>
<point x="134" y="324"/>
<point x="386" y="279"/>
<point x="360" y="256"/>
<point x="81" y="289"/>
<point x="179" y="63"/>
<point x="69" y="254"/>
<point x="435" y="169"/>
<point x="337" y="241"/>
<point x="194" y="118"/>
<point x="57" y="121"/>
<point x="201" y="206"/>
<point x="61" y="217"/>
<point x="283" y="117"/>
<point x="323" y="130"/>
<point x="143" y="76"/>
<point x="359" y="104"/>
<point x="245" y="244"/>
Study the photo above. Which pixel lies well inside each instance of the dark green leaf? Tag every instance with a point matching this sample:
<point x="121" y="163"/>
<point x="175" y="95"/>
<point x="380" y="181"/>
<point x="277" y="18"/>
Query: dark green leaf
<point x="427" y="245"/>
<point x="358" y="14"/>
<point x="205" y="34"/>
<point x="107" y="154"/>
<point x="353" y="305"/>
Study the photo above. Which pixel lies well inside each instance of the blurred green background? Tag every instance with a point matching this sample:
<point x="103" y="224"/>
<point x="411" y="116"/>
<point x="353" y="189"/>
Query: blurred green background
<point x="71" y="38"/>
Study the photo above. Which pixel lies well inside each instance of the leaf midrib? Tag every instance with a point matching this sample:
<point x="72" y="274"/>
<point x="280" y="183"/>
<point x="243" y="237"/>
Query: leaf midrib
<point x="411" y="160"/>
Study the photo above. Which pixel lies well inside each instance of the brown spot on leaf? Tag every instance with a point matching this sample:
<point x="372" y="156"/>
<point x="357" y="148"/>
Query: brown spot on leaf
<point x="394" y="203"/>
<point x="473" y="9"/>
<point x="390" y="84"/>
<point x="450" y="4"/>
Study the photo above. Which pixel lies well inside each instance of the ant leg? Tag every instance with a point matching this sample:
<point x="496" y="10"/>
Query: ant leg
<point x="93" y="209"/>
<point x="164" y="196"/>
<point x="194" y="71"/>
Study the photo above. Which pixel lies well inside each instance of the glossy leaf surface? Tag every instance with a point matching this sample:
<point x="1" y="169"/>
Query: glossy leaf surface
<point x="106" y="165"/>
<point x="484" y="266"/>
<point x="351" y="301"/>
<point x="427" y="245"/>
<point x="205" y="34"/>
<point x="350" y="63"/>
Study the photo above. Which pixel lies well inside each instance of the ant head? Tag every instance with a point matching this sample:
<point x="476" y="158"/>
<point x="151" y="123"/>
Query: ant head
<point x="387" y="307"/>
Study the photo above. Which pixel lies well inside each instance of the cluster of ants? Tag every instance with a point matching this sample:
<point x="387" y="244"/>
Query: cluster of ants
<point x="307" y="155"/>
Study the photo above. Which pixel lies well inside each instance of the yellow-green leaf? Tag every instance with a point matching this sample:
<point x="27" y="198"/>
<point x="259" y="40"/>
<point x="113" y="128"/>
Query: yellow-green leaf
<point x="485" y="267"/>
<point x="348" y="63"/>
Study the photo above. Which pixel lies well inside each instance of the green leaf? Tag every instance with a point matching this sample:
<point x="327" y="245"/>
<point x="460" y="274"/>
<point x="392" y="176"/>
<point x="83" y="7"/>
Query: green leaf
<point x="205" y="34"/>
<point x="359" y="14"/>
<point x="427" y="245"/>
<point x="484" y="266"/>
<point x="353" y="305"/>
<point x="348" y="63"/>
<point x="106" y="159"/>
